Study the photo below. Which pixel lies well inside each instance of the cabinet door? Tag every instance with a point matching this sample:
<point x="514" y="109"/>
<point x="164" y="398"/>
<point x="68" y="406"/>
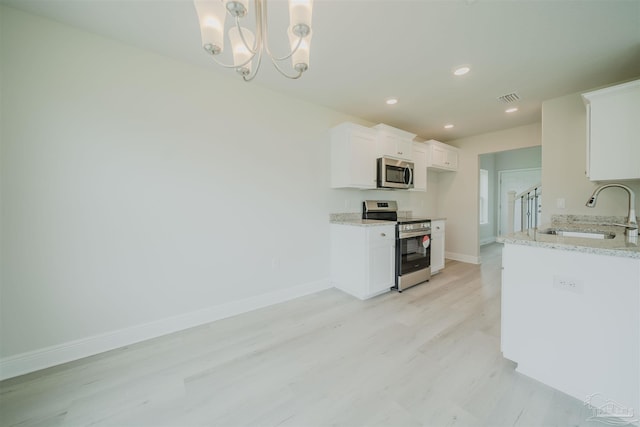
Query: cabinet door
<point x="363" y="161"/>
<point x="419" y="159"/>
<point x="442" y="157"/>
<point x="438" y="156"/>
<point x="403" y="148"/>
<point x="437" y="246"/>
<point x="353" y="157"/>
<point x="393" y="146"/>
<point x="381" y="259"/>
<point x="612" y="132"/>
<point x="451" y="161"/>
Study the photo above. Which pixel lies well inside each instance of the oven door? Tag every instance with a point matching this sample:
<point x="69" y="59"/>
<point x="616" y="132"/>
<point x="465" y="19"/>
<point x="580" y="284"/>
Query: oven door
<point x="413" y="259"/>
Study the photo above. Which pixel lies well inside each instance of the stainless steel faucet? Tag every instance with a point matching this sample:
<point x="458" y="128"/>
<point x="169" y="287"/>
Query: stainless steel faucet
<point x="632" y="224"/>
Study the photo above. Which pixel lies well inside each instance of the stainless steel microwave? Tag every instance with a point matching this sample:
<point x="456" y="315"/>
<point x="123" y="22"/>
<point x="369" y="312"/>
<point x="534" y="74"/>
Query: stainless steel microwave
<point x="394" y="173"/>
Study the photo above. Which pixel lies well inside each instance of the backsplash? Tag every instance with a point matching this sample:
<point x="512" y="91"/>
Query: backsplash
<point x="346" y="216"/>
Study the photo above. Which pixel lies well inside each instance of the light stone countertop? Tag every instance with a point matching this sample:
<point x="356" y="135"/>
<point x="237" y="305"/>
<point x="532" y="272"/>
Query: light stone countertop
<point x="355" y="219"/>
<point x="618" y="246"/>
<point x="363" y="222"/>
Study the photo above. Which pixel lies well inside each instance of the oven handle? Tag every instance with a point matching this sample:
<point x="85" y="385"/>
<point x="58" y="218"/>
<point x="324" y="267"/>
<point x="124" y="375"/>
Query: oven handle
<point x="413" y="234"/>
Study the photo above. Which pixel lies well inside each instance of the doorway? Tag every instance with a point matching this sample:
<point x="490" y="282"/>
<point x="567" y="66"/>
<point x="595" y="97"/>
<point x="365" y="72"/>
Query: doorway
<point x="517" y="180"/>
<point x="494" y="163"/>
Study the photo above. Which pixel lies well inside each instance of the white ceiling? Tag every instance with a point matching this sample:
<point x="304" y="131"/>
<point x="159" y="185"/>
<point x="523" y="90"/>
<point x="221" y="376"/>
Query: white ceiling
<point x="365" y="51"/>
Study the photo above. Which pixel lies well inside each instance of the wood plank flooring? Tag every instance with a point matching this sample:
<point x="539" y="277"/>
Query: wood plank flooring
<point x="429" y="356"/>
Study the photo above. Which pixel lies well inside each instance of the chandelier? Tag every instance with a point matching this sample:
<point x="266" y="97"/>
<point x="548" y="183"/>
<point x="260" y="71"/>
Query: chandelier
<point x="248" y="48"/>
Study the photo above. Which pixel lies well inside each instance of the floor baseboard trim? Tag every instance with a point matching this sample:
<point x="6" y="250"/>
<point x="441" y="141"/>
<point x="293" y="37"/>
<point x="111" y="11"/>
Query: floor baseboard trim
<point x="36" y="360"/>
<point x="462" y="257"/>
<point x="488" y="240"/>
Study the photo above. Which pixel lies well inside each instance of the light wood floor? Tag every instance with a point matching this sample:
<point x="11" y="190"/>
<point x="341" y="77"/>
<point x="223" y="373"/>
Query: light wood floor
<point x="427" y="357"/>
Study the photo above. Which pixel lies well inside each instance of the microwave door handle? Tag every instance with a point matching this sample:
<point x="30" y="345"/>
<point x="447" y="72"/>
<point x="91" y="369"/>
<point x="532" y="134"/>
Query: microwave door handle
<point x="410" y="176"/>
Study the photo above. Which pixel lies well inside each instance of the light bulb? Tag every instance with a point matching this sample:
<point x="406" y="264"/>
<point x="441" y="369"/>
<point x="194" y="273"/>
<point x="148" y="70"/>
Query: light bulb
<point x="211" y="15"/>
<point x="241" y="52"/>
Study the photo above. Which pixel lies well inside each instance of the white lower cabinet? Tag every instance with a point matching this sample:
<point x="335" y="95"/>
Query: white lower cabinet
<point x="437" y="245"/>
<point x="571" y="320"/>
<point x="363" y="259"/>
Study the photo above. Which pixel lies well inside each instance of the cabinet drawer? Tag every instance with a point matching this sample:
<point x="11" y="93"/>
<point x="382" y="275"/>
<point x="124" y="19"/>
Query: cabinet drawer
<point x="437" y="227"/>
<point x="382" y="235"/>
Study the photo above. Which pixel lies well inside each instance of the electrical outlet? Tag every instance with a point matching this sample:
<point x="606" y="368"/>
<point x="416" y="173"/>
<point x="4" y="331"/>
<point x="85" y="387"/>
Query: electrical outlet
<point x="570" y="284"/>
<point x="560" y="203"/>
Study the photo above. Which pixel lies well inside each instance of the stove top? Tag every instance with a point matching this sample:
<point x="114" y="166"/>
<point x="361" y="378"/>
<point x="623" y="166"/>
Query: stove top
<point x="387" y="210"/>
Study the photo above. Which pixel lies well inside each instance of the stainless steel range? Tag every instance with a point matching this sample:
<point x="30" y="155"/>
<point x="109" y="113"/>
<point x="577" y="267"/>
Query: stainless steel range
<point x="413" y="239"/>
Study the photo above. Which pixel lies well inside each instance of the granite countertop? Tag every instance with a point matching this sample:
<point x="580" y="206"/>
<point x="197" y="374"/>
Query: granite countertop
<point x="356" y="219"/>
<point x="363" y="222"/>
<point x="618" y="246"/>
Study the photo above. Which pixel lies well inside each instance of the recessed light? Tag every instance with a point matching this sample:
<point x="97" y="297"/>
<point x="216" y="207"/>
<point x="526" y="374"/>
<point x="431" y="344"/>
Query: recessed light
<point x="461" y="71"/>
<point x="392" y="101"/>
<point x="511" y="110"/>
<point x="448" y="126"/>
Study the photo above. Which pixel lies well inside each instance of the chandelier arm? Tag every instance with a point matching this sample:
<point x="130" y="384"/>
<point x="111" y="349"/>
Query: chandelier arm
<point x="257" y="68"/>
<point x="253" y="49"/>
<point x="275" y="64"/>
<point x="266" y="40"/>
<point x="222" y="64"/>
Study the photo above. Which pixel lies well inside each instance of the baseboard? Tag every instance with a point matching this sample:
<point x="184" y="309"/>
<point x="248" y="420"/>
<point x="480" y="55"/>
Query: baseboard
<point x="25" y="363"/>
<point x="488" y="240"/>
<point x="462" y="257"/>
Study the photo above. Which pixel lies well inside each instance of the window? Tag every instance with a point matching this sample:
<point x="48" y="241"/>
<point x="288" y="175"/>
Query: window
<point x="484" y="196"/>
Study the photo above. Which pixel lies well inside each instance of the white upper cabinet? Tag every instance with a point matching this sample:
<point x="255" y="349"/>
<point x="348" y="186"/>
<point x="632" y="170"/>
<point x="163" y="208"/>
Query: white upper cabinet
<point x="353" y="156"/>
<point x="442" y="157"/>
<point x="393" y="142"/>
<point x="419" y="158"/>
<point x="613" y="132"/>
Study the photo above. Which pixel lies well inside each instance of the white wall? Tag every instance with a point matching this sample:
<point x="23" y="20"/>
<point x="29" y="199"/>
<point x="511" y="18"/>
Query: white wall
<point x="458" y="192"/>
<point x="523" y="158"/>
<point x="564" y="151"/>
<point x="488" y="231"/>
<point x="142" y="195"/>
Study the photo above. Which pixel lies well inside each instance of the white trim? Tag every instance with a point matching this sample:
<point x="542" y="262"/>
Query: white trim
<point x="500" y="173"/>
<point x="31" y="361"/>
<point x="487" y="240"/>
<point x="462" y="257"/>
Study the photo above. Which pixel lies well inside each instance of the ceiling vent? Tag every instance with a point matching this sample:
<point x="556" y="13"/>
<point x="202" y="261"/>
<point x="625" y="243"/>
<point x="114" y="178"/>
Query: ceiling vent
<point x="508" y="98"/>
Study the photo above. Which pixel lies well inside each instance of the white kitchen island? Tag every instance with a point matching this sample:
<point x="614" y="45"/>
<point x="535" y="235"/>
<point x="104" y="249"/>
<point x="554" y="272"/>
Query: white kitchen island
<point x="571" y="316"/>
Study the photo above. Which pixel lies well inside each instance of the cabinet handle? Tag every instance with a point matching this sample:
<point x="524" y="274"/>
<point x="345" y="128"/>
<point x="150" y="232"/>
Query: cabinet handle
<point x="383" y="235"/>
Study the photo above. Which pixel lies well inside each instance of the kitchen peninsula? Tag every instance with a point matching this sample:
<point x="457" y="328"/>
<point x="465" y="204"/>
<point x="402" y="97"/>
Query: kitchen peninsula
<point x="571" y="309"/>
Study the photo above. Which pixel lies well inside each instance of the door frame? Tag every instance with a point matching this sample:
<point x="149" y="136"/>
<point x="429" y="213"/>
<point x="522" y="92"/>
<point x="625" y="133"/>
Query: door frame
<point x="499" y="198"/>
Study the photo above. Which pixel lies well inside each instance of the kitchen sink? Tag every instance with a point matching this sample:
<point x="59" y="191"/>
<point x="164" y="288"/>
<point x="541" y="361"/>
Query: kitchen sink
<point x="578" y="233"/>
